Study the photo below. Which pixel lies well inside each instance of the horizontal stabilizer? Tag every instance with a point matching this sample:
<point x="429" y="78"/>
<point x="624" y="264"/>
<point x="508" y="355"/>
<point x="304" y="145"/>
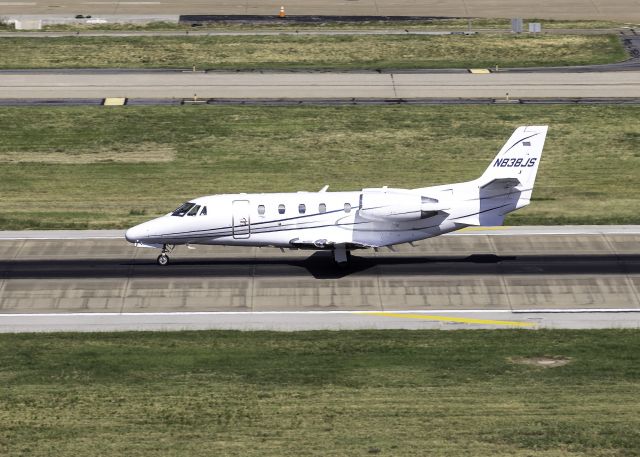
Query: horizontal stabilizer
<point x="501" y="183"/>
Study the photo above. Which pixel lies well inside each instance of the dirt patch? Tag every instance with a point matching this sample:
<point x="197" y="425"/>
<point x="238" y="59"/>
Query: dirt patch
<point x="543" y="362"/>
<point x="147" y="152"/>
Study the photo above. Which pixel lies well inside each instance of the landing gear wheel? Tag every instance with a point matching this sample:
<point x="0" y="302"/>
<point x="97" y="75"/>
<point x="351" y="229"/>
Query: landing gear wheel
<point x="163" y="259"/>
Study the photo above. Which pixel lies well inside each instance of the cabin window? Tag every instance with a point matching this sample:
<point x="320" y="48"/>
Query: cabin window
<point x="261" y="210"/>
<point x="280" y="208"/>
<point x="347" y="207"/>
<point x="194" y="210"/>
<point x="302" y="208"/>
<point x="204" y="211"/>
<point x="322" y="208"/>
<point x="183" y="209"/>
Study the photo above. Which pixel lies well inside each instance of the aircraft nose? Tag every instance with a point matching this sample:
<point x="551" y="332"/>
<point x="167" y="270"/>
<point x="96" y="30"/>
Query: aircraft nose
<point x="136" y="233"/>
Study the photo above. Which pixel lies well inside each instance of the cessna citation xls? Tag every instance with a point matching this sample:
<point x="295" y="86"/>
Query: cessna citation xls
<point x="343" y="221"/>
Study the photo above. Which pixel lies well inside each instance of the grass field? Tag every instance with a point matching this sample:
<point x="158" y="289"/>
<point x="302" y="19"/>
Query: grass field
<point x="98" y="167"/>
<point x="435" y="24"/>
<point x="401" y="393"/>
<point x="304" y="52"/>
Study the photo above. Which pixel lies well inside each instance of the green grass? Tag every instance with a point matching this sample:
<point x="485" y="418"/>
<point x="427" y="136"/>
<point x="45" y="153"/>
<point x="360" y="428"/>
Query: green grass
<point x="435" y="24"/>
<point x="97" y="167"/>
<point x="305" y="52"/>
<point x="405" y="393"/>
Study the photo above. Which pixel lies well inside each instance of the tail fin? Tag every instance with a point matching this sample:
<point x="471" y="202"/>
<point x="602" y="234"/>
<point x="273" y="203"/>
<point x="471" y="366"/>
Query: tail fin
<point x="518" y="159"/>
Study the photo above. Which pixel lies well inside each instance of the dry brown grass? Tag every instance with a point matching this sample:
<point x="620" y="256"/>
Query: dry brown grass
<point x="141" y="153"/>
<point x="541" y="362"/>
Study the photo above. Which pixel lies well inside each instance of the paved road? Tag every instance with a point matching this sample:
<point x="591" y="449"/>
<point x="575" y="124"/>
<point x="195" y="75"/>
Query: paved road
<point x="317" y="85"/>
<point x="624" y="10"/>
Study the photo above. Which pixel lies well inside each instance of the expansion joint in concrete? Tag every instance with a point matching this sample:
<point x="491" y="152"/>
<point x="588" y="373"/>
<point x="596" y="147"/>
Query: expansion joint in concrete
<point x="393" y="85"/>
<point x="4" y="279"/>
<point x="503" y="281"/>
<point x="124" y="293"/>
<point x="625" y="270"/>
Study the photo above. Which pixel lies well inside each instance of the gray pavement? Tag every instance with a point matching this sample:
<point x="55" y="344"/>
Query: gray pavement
<point x="45" y="276"/>
<point x="318" y="85"/>
<point x="320" y="101"/>
<point x="624" y="10"/>
<point x="313" y="32"/>
<point x="300" y="321"/>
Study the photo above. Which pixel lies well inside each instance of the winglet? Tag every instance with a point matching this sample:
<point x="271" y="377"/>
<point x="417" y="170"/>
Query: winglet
<point x="324" y="189"/>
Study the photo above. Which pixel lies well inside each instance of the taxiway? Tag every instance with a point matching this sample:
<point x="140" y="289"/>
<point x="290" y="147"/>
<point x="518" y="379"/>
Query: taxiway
<point x="311" y="85"/>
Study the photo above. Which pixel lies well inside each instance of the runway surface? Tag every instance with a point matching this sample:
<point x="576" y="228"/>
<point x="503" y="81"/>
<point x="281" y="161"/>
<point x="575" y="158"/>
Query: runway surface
<point x="301" y="321"/>
<point x="496" y="278"/>
<point x="624" y="10"/>
<point x="317" y="85"/>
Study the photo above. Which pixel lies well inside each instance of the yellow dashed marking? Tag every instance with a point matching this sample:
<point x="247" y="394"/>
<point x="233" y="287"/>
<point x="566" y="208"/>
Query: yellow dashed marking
<point x="114" y="101"/>
<point x="463" y="320"/>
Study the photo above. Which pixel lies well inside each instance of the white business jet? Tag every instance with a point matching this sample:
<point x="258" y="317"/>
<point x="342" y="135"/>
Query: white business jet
<point x="344" y="221"/>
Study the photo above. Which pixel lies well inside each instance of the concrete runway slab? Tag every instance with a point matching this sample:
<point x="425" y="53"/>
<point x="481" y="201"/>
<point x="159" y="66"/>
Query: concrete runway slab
<point x="318" y="85"/>
<point x="495" y="270"/>
<point x="624" y="10"/>
<point x="301" y="321"/>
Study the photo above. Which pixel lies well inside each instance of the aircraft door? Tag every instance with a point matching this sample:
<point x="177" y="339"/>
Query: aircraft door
<point x="241" y="219"/>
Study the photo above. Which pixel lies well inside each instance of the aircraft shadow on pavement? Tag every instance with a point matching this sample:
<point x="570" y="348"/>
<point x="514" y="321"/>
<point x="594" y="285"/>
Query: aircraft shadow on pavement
<point x="320" y="265"/>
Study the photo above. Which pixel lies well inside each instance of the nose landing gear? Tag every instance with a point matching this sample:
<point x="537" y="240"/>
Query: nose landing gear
<point x="163" y="258"/>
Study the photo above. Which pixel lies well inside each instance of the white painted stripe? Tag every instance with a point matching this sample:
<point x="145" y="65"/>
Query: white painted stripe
<point x="576" y="310"/>
<point x="359" y="312"/>
<point x="61" y="238"/>
<point x="122" y="3"/>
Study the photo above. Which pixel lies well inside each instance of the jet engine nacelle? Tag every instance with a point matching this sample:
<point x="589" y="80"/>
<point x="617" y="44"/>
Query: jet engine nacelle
<point x="396" y="205"/>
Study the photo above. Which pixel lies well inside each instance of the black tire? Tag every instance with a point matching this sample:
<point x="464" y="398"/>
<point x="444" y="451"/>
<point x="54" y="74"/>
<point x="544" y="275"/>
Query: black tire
<point x="163" y="259"/>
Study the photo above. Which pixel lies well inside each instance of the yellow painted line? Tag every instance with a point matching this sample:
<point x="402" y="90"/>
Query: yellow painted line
<point x="479" y="71"/>
<point x="463" y="320"/>
<point x="482" y="229"/>
<point x="114" y="101"/>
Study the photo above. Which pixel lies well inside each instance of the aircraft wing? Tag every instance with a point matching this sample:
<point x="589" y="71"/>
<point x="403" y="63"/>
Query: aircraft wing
<point x="327" y="244"/>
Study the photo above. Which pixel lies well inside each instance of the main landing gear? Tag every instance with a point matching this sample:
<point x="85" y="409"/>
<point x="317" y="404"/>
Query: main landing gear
<point x="163" y="258"/>
<point x="341" y="256"/>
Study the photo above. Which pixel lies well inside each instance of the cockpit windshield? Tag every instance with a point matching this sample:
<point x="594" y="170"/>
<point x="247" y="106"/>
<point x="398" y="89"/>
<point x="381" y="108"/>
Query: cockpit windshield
<point x="183" y="209"/>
